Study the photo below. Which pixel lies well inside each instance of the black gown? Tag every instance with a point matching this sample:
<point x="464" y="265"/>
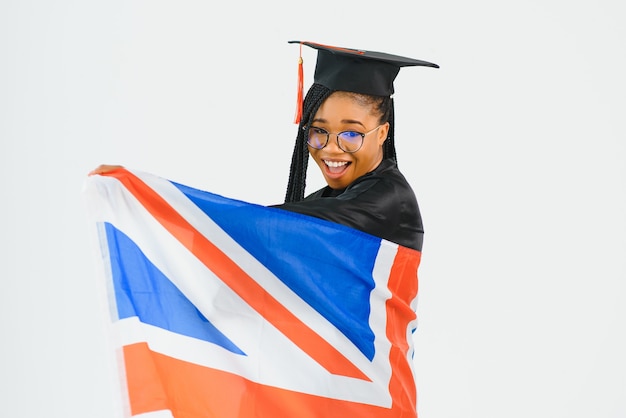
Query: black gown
<point x="380" y="203"/>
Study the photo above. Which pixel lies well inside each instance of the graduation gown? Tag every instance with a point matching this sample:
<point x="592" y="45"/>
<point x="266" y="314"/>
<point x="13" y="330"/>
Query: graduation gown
<point x="380" y="203"/>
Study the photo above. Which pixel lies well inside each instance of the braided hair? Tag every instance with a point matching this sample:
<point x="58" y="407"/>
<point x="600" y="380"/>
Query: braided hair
<point x="300" y="157"/>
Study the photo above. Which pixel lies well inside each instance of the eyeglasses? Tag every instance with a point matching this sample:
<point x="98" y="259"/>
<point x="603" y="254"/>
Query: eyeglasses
<point x="348" y="141"/>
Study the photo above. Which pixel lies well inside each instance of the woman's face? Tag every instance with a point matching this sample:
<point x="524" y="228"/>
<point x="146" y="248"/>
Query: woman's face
<point x="343" y="112"/>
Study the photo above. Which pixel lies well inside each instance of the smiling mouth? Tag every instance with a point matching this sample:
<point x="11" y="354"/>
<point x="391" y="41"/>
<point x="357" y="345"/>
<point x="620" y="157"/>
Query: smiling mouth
<point x="336" y="167"/>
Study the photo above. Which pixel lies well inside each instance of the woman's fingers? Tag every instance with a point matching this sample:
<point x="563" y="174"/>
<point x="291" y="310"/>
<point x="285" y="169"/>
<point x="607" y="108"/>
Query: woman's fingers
<point x="104" y="168"/>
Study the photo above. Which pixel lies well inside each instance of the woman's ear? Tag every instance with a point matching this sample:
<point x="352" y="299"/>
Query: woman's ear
<point x="383" y="132"/>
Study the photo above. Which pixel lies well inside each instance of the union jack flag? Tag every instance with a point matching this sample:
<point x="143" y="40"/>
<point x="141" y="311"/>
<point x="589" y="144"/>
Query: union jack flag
<point x="227" y="309"/>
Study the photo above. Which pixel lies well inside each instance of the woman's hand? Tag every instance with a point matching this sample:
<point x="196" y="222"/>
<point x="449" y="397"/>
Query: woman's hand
<point x="104" y="168"/>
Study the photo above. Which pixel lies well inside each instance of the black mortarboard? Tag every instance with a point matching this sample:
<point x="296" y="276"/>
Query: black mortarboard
<point x="359" y="71"/>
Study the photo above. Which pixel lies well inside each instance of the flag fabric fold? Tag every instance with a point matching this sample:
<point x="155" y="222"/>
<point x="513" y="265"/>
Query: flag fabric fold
<point x="227" y="309"/>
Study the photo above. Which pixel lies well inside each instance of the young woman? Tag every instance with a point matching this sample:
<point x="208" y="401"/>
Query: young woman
<point x="347" y="127"/>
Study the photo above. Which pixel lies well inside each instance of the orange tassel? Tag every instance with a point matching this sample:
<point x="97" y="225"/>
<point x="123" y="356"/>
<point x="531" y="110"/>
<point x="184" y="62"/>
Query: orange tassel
<point x="299" y="100"/>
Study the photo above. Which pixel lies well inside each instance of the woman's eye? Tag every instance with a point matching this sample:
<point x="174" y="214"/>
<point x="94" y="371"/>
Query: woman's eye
<point x="351" y="135"/>
<point x="318" y="131"/>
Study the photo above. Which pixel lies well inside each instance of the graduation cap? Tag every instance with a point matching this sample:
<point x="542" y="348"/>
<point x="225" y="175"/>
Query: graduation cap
<point x="355" y="70"/>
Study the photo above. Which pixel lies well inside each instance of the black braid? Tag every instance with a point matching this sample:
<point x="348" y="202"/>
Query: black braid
<point x="389" y="147"/>
<point x="300" y="158"/>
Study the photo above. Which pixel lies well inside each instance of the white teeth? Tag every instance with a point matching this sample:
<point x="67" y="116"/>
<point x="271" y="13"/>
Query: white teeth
<point x="335" y="163"/>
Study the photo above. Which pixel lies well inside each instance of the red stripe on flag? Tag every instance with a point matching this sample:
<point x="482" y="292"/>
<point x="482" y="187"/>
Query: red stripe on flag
<point x="403" y="285"/>
<point x="237" y="279"/>
<point x="194" y="391"/>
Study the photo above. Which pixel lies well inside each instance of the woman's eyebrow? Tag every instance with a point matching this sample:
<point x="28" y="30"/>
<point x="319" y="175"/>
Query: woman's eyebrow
<point x="344" y="121"/>
<point x="352" y="121"/>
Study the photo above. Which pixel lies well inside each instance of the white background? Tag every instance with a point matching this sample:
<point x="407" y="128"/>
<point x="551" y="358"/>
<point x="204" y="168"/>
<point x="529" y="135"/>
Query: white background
<point x="516" y="149"/>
